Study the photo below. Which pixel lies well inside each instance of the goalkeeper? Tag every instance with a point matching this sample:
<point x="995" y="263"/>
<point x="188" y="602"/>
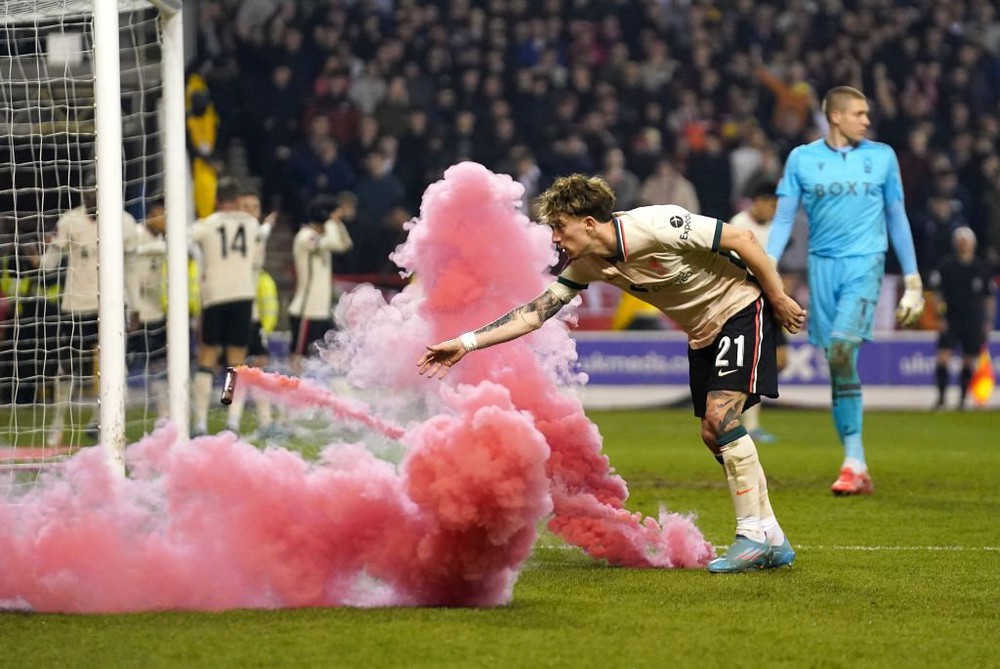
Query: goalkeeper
<point x="851" y="191"/>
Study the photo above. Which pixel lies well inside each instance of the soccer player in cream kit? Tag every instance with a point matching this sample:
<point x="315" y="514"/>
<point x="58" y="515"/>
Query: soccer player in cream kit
<point x="852" y="194"/>
<point x="77" y="326"/>
<point x="678" y="262"/>
<point x="231" y="254"/>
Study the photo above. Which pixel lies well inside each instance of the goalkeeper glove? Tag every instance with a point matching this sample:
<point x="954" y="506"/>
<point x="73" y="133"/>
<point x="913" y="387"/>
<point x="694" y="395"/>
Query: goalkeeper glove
<point x="911" y="305"/>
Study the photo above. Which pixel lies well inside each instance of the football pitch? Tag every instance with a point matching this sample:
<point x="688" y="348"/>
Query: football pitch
<point x="907" y="577"/>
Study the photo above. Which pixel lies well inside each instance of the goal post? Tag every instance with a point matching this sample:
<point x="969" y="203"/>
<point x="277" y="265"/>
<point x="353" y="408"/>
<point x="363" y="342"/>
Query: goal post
<point x="93" y="103"/>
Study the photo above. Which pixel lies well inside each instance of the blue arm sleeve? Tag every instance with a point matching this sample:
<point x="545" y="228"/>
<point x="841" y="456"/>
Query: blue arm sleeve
<point x="781" y="228"/>
<point x="901" y="236"/>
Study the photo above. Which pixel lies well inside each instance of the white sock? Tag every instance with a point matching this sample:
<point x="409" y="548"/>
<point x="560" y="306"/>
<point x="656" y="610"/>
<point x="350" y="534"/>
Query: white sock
<point x="768" y="521"/>
<point x="201" y="388"/>
<point x="263" y="404"/>
<point x="236" y="409"/>
<point x="742" y="468"/>
<point x="855" y="465"/>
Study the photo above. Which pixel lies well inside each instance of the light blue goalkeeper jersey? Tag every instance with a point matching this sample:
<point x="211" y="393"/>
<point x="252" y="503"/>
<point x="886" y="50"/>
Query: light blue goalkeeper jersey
<point x="851" y="197"/>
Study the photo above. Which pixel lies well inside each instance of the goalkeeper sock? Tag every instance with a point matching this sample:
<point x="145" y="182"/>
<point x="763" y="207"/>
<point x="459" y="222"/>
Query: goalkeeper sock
<point x="201" y="388"/>
<point x="847" y="407"/>
<point x="941" y="377"/>
<point x="751" y="418"/>
<point x="742" y="469"/>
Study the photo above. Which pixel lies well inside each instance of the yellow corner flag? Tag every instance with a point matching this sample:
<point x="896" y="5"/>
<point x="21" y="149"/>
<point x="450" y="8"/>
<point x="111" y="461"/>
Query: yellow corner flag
<point x="983" y="378"/>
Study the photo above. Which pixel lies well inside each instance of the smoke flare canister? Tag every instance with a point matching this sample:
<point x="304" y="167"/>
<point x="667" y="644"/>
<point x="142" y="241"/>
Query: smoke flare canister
<point x="229" y="387"/>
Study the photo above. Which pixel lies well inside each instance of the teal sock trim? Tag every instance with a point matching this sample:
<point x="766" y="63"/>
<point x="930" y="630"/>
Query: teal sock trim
<point x="731" y="436"/>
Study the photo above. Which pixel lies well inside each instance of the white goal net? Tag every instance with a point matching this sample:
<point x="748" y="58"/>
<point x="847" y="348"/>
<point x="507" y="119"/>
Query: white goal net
<point x="48" y="229"/>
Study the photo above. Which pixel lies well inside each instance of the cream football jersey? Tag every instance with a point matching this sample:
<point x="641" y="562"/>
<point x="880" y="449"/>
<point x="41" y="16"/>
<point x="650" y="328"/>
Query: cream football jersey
<point x="669" y="258"/>
<point x="230" y="244"/>
<point x="747" y="222"/>
<point x="145" y="276"/>
<point x="311" y="250"/>
<point x="76" y="237"/>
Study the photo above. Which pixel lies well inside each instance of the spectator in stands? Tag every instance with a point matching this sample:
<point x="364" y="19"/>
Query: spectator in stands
<point x="368" y="89"/>
<point x="317" y="168"/>
<point x="330" y="99"/>
<point x="942" y="218"/>
<point x="392" y="111"/>
<point x="623" y="181"/>
<point x="710" y="174"/>
<point x="668" y="186"/>
<point x="202" y="134"/>
<point x="378" y="191"/>
<point x="274" y="113"/>
<point x="365" y="141"/>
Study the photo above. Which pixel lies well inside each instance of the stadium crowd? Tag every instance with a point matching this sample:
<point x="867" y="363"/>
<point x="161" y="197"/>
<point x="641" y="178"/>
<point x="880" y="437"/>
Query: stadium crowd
<point x="681" y="102"/>
<point x="347" y="109"/>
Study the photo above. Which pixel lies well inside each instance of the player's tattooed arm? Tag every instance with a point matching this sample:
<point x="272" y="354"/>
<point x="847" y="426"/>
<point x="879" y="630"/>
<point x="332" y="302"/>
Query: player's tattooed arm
<point x="531" y="314"/>
<point x="515" y="323"/>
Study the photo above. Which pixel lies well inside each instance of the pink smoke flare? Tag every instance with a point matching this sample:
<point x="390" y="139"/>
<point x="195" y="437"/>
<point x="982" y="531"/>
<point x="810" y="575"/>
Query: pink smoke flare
<point x="215" y="523"/>
<point x="295" y="392"/>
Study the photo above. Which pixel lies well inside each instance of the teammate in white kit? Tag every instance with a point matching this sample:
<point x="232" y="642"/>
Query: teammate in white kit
<point x="309" y="312"/>
<point x="679" y="262"/>
<point x="145" y="283"/>
<point x="229" y="240"/>
<point x="76" y="337"/>
<point x="266" y="295"/>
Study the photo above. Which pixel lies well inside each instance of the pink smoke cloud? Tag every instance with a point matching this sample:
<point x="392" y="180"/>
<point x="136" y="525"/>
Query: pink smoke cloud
<point x="215" y="523"/>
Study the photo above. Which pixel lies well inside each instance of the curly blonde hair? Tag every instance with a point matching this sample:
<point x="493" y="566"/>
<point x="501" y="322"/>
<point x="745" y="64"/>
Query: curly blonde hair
<point x="577" y="195"/>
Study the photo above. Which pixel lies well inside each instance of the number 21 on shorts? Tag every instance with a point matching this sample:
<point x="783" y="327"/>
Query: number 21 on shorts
<point x="730" y="352"/>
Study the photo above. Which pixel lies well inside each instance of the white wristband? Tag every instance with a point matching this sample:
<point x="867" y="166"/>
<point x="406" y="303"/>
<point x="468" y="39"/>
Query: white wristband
<point x="468" y="340"/>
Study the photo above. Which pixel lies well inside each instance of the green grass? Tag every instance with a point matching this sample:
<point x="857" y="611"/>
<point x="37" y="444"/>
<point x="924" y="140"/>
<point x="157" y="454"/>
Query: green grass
<point x="929" y="596"/>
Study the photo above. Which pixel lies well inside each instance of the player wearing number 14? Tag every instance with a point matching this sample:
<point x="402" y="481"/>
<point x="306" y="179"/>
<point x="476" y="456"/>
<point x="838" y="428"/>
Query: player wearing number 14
<point x="231" y="252"/>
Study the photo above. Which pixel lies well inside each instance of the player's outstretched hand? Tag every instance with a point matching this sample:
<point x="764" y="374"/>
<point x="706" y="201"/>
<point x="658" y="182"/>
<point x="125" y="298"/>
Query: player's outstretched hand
<point x="788" y="312"/>
<point x="440" y="357"/>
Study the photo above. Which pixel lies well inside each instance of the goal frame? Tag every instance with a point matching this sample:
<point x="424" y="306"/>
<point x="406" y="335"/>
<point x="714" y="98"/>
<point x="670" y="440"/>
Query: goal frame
<point x="113" y="373"/>
<point x="108" y="143"/>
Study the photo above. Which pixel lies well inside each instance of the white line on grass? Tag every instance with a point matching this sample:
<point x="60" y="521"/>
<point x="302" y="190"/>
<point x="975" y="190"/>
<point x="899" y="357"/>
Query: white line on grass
<point x="944" y="549"/>
<point x="948" y="549"/>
